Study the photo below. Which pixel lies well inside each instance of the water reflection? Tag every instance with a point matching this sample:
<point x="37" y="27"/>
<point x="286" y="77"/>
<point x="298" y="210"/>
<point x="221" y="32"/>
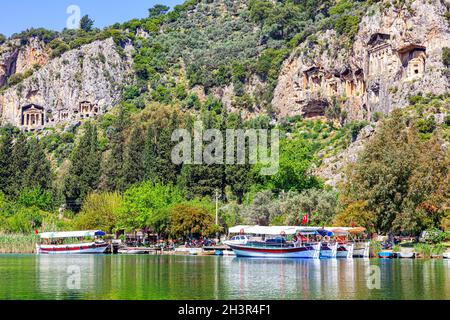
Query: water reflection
<point x="185" y="277"/>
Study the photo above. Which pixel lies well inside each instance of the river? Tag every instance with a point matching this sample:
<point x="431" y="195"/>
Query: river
<point x="148" y="277"/>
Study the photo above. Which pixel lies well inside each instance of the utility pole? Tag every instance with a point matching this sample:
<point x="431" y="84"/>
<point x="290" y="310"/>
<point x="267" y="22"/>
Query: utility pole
<point x="217" y="207"/>
<point x="217" y="214"/>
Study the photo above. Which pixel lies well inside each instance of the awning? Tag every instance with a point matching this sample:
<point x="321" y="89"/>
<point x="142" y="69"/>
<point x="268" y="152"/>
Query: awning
<point x="274" y="230"/>
<point x="72" y="234"/>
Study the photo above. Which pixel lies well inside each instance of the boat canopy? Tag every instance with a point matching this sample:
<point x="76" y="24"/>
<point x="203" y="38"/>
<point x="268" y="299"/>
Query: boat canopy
<point x="274" y="230"/>
<point x="72" y="234"/>
<point x="291" y="230"/>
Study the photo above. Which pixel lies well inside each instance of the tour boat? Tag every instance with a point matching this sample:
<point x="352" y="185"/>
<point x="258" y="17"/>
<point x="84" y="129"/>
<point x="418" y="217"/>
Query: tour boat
<point x="361" y="250"/>
<point x="345" y="250"/>
<point x="132" y="251"/>
<point x="386" y="255"/>
<point x="328" y="250"/>
<point x="53" y="247"/>
<point x="446" y="255"/>
<point x="263" y="250"/>
<point x="406" y="254"/>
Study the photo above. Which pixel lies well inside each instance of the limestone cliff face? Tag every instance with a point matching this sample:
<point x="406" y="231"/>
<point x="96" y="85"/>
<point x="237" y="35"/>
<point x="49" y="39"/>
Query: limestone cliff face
<point x="81" y="83"/>
<point x="396" y="53"/>
<point x="18" y="59"/>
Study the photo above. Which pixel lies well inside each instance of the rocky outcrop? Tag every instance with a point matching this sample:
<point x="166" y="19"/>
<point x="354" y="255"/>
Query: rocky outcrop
<point x="81" y="83"/>
<point x="397" y="53"/>
<point x="19" y="59"/>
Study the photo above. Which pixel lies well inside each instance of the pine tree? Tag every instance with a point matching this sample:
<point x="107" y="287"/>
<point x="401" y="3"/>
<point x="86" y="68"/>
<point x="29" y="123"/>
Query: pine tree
<point x="39" y="171"/>
<point x="6" y="149"/>
<point x="133" y="159"/>
<point x="84" y="172"/>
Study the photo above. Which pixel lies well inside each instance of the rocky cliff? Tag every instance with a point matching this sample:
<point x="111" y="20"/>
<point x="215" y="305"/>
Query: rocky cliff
<point x="396" y="53"/>
<point x="81" y="83"/>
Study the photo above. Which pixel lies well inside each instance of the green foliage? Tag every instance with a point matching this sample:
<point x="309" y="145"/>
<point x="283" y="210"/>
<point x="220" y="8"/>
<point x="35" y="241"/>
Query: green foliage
<point x="39" y="172"/>
<point x="400" y="177"/>
<point x="2" y="39"/>
<point x="435" y="236"/>
<point x="191" y="220"/>
<point x="426" y="125"/>
<point x="40" y="33"/>
<point x="446" y="56"/>
<point x="37" y="198"/>
<point x="146" y="204"/>
<point x="6" y="151"/>
<point x="99" y="212"/>
<point x="86" y="23"/>
<point x="157" y="10"/>
<point x="19" y="77"/>
<point x="84" y="172"/>
<point x="113" y="169"/>
<point x="348" y="25"/>
<point x="134" y="158"/>
<point x="341" y="7"/>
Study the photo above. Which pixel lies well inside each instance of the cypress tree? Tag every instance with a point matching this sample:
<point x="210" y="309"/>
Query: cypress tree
<point x="6" y="149"/>
<point x="238" y="176"/>
<point x="158" y="152"/>
<point x="84" y="172"/>
<point x="19" y="164"/>
<point x="39" y="171"/>
<point x="113" y="168"/>
<point x="133" y="159"/>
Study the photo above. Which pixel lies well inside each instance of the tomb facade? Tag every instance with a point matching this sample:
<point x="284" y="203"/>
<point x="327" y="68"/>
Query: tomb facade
<point x="32" y="117"/>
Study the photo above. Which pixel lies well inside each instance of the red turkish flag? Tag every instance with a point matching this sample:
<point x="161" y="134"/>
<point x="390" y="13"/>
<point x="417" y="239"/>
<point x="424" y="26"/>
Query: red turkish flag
<point x="36" y="231"/>
<point x="305" y="219"/>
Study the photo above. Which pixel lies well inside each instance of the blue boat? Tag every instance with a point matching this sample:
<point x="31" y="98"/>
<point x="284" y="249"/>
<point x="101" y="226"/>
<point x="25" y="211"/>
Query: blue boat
<point x="386" y="255"/>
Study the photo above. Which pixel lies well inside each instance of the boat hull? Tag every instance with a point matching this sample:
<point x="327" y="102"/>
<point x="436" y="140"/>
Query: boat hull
<point x="328" y="250"/>
<point x="386" y="255"/>
<point x="304" y="252"/>
<point x="406" y="255"/>
<point x="446" y="255"/>
<point x="85" y="248"/>
<point x="345" y="251"/>
<point x="362" y="252"/>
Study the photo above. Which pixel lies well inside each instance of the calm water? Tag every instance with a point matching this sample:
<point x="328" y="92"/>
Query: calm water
<point x="177" y="277"/>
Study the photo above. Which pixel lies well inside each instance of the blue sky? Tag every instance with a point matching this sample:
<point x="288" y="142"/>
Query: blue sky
<point x="19" y="15"/>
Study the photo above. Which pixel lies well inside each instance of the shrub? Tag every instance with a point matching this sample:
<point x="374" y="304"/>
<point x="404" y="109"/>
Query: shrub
<point x="446" y="56"/>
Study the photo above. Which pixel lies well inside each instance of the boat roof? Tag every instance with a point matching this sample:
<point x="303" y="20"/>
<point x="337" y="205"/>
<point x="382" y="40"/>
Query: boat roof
<point x="72" y="234"/>
<point x="273" y="230"/>
<point x="290" y="230"/>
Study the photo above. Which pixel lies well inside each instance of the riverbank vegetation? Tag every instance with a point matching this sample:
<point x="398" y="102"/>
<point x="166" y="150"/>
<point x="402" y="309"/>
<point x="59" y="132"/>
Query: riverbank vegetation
<point x="118" y="175"/>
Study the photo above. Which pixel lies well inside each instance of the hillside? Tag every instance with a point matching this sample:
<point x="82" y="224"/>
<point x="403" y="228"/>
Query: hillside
<point x="90" y="113"/>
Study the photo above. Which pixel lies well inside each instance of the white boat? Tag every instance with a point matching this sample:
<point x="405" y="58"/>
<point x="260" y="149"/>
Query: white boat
<point x="237" y="240"/>
<point x="328" y="250"/>
<point x="95" y="247"/>
<point x="345" y="250"/>
<point x="406" y="255"/>
<point x="446" y="255"/>
<point x="361" y="250"/>
<point x="132" y="251"/>
<point x="263" y="250"/>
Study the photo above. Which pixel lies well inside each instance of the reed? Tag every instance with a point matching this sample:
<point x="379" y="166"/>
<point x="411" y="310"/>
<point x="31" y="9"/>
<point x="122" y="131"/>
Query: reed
<point x="17" y="243"/>
<point x="375" y="248"/>
<point x="428" y="250"/>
